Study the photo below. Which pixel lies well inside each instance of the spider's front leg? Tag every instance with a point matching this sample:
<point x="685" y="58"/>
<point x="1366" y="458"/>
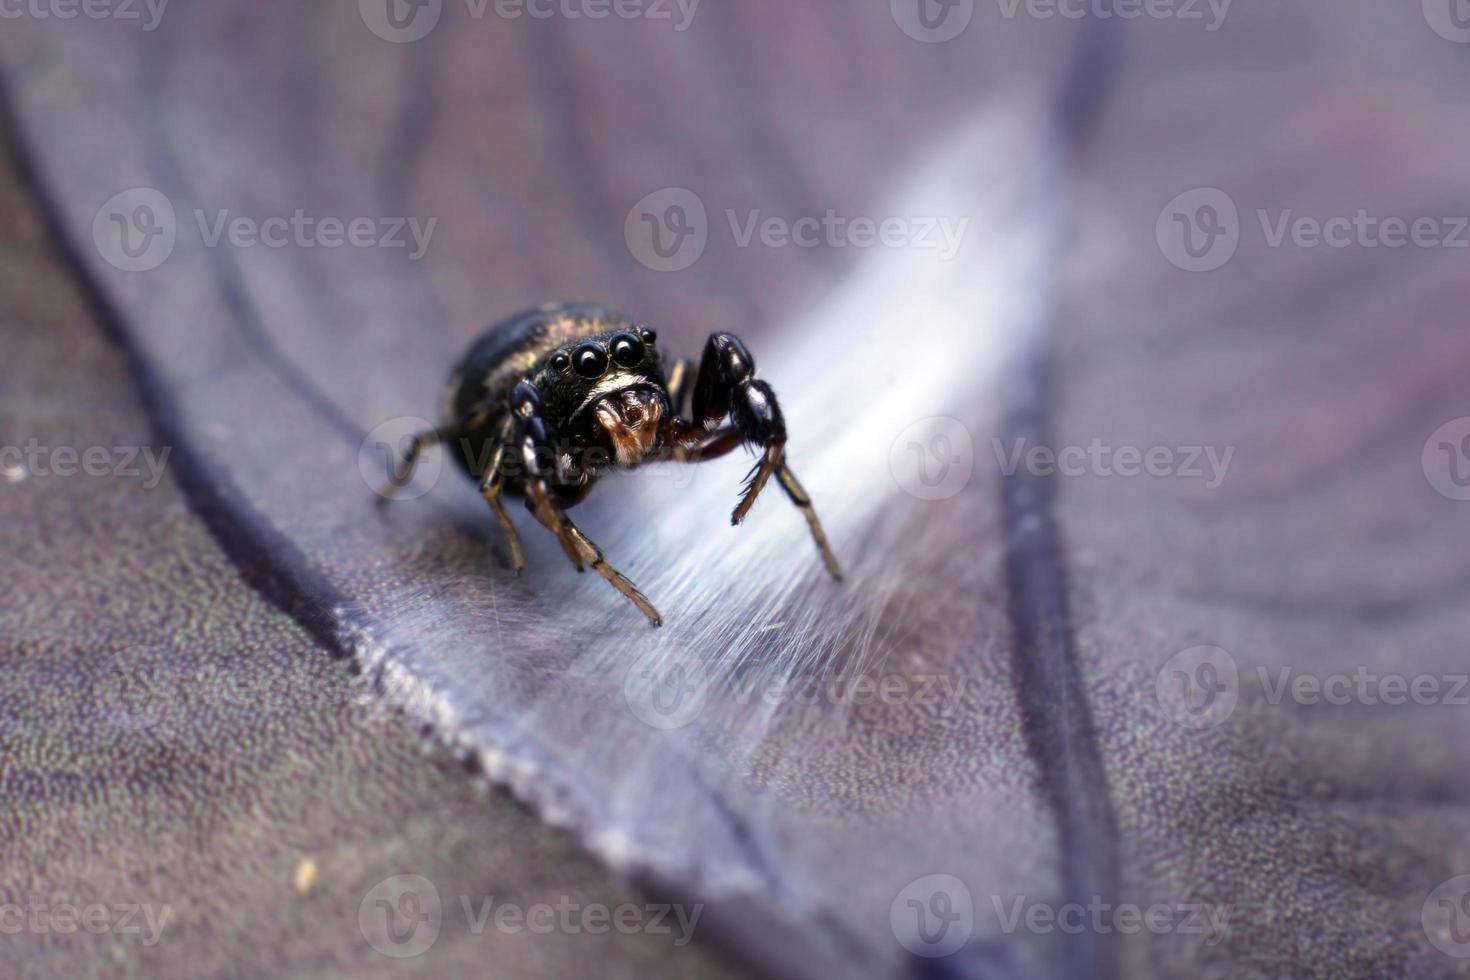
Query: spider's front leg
<point x="533" y="443"/>
<point x="409" y="461"/>
<point x="727" y="387"/>
<point x="536" y="448"/>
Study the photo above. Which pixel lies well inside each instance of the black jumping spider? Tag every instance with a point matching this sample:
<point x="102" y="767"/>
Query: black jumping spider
<point x="546" y="402"/>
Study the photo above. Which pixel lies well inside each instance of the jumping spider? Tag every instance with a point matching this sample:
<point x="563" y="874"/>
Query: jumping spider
<point x="546" y="402"/>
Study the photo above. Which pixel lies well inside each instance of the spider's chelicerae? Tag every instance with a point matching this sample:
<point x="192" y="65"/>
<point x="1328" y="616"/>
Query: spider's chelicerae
<point x="546" y="402"/>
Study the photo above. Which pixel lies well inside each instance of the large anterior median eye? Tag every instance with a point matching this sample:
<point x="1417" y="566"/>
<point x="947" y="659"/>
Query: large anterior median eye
<point x="589" y="360"/>
<point x="627" y="350"/>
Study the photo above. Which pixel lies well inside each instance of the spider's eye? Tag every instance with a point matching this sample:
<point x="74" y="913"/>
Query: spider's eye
<point x="560" y="362"/>
<point x="589" y="360"/>
<point x="649" y="335"/>
<point x="627" y="350"/>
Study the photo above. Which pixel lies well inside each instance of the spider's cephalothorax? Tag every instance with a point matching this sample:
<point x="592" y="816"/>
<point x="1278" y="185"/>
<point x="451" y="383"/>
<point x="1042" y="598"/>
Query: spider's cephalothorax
<point x="544" y="403"/>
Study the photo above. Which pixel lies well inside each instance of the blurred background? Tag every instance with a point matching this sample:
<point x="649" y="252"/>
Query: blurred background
<point x="1121" y="346"/>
